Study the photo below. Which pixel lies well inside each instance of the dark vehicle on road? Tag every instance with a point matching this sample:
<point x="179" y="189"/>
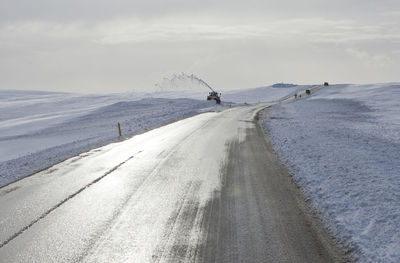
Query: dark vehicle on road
<point x="213" y="95"/>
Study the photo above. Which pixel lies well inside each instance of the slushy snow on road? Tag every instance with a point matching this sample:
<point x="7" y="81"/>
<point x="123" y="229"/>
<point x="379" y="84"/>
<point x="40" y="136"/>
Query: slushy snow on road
<point x="343" y="147"/>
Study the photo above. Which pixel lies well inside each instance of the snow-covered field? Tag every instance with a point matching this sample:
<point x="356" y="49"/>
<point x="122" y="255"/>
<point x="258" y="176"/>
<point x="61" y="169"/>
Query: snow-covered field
<point x="39" y="129"/>
<point x="343" y="147"/>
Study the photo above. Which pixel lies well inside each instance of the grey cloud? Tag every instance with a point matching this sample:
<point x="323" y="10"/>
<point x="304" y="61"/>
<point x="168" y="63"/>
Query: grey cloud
<point x="110" y="46"/>
<point x="11" y="10"/>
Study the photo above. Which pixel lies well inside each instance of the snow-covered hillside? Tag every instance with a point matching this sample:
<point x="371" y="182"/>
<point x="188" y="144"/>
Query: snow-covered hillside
<point x="39" y="129"/>
<point x="343" y="146"/>
<point x="25" y="113"/>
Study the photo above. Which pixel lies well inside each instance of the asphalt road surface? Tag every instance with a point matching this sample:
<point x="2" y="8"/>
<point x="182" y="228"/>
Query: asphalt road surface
<point x="204" y="189"/>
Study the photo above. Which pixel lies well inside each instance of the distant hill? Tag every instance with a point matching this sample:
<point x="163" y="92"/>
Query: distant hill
<point x="284" y="85"/>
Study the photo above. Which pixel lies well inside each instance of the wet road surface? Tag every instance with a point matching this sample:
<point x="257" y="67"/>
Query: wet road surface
<point x="204" y="189"/>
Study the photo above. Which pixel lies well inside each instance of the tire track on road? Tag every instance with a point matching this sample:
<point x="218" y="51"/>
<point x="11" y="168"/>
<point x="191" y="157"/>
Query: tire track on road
<point x="65" y="200"/>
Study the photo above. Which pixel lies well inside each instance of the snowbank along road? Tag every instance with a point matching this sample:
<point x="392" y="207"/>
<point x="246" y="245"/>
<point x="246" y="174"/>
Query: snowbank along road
<point x="208" y="189"/>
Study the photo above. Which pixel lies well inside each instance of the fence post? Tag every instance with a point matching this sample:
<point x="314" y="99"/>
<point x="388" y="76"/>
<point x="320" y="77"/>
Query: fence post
<point x="119" y="130"/>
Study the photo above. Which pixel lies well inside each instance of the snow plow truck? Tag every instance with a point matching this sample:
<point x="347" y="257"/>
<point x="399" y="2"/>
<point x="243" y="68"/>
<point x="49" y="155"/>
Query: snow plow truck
<point x="213" y="95"/>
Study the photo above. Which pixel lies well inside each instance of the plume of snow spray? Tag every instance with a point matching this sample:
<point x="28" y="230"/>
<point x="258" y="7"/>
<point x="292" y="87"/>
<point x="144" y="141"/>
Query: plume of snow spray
<point x="199" y="80"/>
<point x="182" y="81"/>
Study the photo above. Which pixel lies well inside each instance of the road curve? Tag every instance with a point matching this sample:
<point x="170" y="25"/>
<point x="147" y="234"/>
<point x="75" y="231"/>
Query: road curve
<point x="204" y="189"/>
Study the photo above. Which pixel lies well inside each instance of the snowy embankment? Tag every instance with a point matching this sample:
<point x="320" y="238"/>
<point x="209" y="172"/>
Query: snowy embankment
<point x="343" y="147"/>
<point x="39" y="129"/>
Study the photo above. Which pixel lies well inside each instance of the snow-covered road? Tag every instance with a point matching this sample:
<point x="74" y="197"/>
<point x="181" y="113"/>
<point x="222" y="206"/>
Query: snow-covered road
<point x="207" y="188"/>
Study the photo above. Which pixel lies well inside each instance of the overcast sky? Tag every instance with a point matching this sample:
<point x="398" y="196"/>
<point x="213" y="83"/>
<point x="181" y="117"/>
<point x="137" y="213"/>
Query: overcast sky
<point x="98" y="46"/>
